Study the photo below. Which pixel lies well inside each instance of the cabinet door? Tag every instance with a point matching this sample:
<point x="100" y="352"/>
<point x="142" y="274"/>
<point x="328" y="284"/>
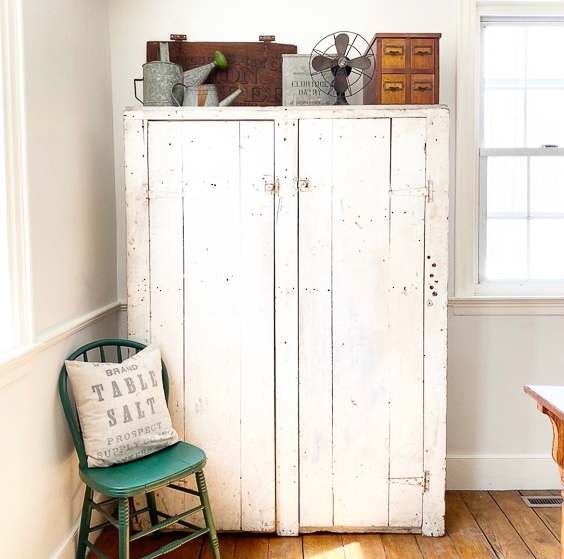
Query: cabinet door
<point x="361" y="323"/>
<point x="212" y="285"/>
<point x="229" y="315"/>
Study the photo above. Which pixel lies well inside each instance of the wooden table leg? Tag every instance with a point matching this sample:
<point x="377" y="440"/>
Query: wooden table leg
<point x="558" y="455"/>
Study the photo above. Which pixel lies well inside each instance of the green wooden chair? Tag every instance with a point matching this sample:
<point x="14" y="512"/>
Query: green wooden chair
<point x="139" y="477"/>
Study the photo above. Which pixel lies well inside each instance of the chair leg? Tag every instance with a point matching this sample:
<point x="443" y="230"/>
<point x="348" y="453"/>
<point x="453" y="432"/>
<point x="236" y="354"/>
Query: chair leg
<point x="123" y="522"/>
<point x="152" y="504"/>
<point x="84" y="523"/>
<point x="208" y="517"/>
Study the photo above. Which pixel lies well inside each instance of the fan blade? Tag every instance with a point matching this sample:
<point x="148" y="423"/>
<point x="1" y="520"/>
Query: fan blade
<point x="340" y="83"/>
<point x="321" y="63"/>
<point x="362" y="62"/>
<point x="341" y="43"/>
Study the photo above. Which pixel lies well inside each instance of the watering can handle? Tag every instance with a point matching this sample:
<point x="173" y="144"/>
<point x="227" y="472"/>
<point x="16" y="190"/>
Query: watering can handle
<point x="135" y="89"/>
<point x="172" y="93"/>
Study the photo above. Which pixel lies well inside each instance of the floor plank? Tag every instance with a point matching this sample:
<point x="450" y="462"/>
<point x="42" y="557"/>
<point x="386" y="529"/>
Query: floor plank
<point x="323" y="546"/>
<point x="549" y="515"/>
<point x="400" y="546"/>
<point x="466" y="536"/>
<point x="363" y="546"/>
<point x="551" y="518"/>
<point x="227" y="543"/>
<point x="432" y="548"/>
<point x="531" y="528"/>
<point x="285" y="548"/>
<point x="499" y="531"/>
<point x="108" y="544"/>
<point x="538" y="492"/>
<point x="251" y="547"/>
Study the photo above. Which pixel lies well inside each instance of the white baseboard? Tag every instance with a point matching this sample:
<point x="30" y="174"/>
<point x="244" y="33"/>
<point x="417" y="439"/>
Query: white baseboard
<point x="67" y="549"/>
<point x="502" y="472"/>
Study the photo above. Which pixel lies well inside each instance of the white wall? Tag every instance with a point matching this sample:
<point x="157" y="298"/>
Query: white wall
<point x="73" y="250"/>
<point x="70" y="150"/>
<point x="496" y="438"/>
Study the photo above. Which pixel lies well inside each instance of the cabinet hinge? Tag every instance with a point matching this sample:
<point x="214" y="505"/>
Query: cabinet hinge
<point x="272" y="186"/>
<point x="422" y="481"/>
<point x="426" y="191"/>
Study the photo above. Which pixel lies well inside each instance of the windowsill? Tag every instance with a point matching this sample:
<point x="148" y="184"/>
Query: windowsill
<point x="15" y="363"/>
<point x="507" y="306"/>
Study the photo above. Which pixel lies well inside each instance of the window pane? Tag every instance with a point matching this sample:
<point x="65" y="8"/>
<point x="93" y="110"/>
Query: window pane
<point x="507" y="184"/>
<point x="506" y="257"/>
<point x="547" y="249"/>
<point x="504" y="52"/>
<point x="545" y="117"/>
<point x="544" y="52"/>
<point x="504" y="118"/>
<point x="547" y="184"/>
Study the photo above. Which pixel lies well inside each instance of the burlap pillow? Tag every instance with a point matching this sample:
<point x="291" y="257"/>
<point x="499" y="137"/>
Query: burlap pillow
<point x="122" y="408"/>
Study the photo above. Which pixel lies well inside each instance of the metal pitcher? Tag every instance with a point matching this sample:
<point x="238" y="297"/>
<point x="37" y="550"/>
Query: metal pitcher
<point x="201" y="96"/>
<point x="159" y="78"/>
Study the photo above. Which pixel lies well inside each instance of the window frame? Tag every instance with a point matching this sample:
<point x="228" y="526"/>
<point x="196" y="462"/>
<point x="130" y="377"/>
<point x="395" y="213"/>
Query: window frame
<point x="466" y="270"/>
<point x="510" y="286"/>
<point x="15" y="164"/>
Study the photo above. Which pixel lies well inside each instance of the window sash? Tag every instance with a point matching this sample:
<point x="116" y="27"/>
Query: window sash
<point x="484" y="155"/>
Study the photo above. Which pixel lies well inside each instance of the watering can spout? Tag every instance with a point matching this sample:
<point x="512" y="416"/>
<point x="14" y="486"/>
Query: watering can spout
<point x="197" y="76"/>
<point x="230" y="98"/>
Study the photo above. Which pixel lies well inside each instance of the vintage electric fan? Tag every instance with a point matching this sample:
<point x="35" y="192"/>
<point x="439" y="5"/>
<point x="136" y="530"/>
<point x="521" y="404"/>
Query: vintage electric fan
<point x="342" y="64"/>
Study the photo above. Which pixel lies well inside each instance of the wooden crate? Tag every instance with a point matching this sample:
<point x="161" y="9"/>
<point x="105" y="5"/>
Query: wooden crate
<point x="256" y="68"/>
<point x="407" y="69"/>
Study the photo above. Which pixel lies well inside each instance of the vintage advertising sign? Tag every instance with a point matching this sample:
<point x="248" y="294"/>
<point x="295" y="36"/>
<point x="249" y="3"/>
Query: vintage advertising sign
<point x="255" y="68"/>
<point x="298" y="87"/>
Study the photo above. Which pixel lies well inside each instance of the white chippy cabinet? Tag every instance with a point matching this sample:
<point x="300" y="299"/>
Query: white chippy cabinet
<point x="292" y="265"/>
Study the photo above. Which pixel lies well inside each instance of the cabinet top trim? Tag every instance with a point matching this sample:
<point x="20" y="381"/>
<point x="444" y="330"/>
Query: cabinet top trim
<point x="284" y="113"/>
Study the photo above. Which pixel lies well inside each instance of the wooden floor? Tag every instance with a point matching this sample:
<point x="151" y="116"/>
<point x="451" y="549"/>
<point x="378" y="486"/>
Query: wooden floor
<point x="479" y="524"/>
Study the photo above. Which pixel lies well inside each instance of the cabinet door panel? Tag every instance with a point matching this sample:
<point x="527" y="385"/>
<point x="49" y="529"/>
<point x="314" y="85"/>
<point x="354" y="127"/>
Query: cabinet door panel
<point x="315" y="325"/>
<point x="229" y="316"/>
<point x="166" y="265"/>
<point x="407" y="246"/>
<point x="343" y="225"/>
<point x="361" y="178"/>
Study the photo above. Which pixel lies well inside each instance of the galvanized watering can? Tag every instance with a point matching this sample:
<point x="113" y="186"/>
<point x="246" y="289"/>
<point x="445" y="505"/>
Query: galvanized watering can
<point x="201" y="96"/>
<point x="162" y="78"/>
<point x="159" y="79"/>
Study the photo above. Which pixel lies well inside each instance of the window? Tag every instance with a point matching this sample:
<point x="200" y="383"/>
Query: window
<point x="15" y="319"/>
<point x="6" y="310"/>
<point x="521" y="201"/>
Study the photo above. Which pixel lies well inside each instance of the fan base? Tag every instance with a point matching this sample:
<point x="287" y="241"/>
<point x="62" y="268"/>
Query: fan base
<point x="341" y="99"/>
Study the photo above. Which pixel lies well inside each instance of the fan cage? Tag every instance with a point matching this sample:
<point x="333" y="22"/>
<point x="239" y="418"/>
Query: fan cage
<point x="368" y="51"/>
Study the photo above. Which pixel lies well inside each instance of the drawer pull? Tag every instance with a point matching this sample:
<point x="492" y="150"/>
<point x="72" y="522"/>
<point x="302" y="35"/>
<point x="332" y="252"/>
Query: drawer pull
<point x="393" y="51"/>
<point x="422" y="51"/>
<point x="393" y="86"/>
<point x="423" y="86"/>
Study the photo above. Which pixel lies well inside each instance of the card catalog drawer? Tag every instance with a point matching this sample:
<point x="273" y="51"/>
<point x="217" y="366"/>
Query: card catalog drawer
<point x="422" y="54"/>
<point x="393" y="53"/>
<point x="422" y="89"/>
<point x="393" y="89"/>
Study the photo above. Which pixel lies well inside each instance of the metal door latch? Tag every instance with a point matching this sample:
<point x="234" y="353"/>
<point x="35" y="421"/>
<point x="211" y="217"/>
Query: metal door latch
<point x="272" y="186"/>
<point x="302" y="185"/>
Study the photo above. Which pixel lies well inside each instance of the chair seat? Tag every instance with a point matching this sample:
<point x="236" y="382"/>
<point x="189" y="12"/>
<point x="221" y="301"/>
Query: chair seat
<point x="146" y="474"/>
